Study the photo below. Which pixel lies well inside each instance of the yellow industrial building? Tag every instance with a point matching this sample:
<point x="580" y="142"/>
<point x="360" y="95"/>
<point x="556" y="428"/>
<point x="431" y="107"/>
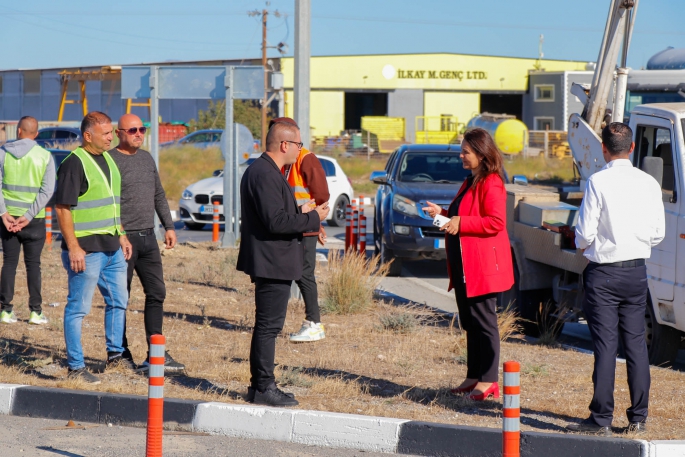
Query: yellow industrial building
<point x="419" y="88"/>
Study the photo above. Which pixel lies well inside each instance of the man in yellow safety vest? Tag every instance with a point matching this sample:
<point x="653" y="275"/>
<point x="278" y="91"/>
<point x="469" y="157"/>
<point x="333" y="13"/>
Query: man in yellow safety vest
<point x="27" y="174"/>
<point x="94" y="246"/>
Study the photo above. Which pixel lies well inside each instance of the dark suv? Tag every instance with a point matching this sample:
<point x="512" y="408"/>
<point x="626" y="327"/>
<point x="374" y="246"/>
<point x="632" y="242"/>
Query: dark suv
<point x="413" y="175"/>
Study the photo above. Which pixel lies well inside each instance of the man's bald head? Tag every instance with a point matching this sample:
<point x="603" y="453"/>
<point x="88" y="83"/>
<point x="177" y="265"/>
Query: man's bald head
<point x="279" y="132"/>
<point x="27" y="128"/>
<point x="129" y="142"/>
<point x="129" y="120"/>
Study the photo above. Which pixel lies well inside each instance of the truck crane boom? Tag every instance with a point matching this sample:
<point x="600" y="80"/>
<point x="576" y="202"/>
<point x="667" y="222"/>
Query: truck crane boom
<point x="584" y="128"/>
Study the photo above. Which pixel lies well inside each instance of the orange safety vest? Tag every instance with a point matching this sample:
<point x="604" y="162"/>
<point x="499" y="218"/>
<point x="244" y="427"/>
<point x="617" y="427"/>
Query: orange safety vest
<point x="296" y="181"/>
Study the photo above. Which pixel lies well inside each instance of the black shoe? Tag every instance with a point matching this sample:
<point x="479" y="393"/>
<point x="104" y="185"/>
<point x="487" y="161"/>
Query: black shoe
<point x="116" y="360"/>
<point x="273" y="396"/>
<point x="127" y="355"/>
<point x="251" y="391"/>
<point x="637" y="428"/>
<point x="170" y="365"/>
<point x="84" y="375"/>
<point x="590" y="427"/>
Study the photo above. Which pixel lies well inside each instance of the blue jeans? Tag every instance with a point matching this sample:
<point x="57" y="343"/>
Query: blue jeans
<point x="107" y="270"/>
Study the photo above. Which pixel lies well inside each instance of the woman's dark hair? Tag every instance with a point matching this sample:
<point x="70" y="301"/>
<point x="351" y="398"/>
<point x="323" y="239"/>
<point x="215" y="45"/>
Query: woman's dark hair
<point x="480" y="142"/>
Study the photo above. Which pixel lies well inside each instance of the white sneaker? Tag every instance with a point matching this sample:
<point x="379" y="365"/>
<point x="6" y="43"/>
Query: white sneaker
<point x="8" y="318"/>
<point x="309" y="332"/>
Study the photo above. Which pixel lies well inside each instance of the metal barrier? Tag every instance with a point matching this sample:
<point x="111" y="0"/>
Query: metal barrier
<point x="155" y="397"/>
<point x="511" y="410"/>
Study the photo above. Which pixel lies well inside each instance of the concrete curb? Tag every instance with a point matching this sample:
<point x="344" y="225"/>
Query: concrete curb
<point x="321" y="428"/>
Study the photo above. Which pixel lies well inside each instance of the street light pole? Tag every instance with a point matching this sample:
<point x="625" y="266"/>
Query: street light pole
<point x="266" y="83"/>
<point x="303" y="12"/>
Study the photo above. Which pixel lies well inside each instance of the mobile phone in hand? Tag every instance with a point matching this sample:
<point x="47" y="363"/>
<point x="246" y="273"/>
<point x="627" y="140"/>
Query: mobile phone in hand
<point x="439" y="220"/>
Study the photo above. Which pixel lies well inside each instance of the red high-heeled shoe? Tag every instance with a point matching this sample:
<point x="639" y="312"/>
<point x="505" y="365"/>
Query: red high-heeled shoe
<point x="493" y="391"/>
<point x="463" y="390"/>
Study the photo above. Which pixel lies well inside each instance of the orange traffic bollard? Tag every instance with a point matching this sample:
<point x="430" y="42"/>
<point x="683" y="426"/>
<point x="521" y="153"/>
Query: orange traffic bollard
<point x="511" y="411"/>
<point x="348" y="226"/>
<point x="48" y="227"/>
<point x="362" y="235"/>
<point x="155" y="397"/>
<point x="355" y="230"/>
<point x="215" y="222"/>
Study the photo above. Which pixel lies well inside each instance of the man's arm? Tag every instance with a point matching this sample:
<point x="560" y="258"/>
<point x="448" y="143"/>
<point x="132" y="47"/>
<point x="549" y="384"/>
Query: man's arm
<point x="315" y="177"/>
<point x="266" y="196"/>
<point x="588" y="217"/>
<point x="162" y="210"/>
<point x="77" y="256"/>
<point x="47" y="188"/>
<point x="7" y="218"/>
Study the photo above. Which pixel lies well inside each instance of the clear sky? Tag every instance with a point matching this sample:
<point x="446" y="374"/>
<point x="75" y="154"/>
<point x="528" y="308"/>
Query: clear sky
<point x="68" y="33"/>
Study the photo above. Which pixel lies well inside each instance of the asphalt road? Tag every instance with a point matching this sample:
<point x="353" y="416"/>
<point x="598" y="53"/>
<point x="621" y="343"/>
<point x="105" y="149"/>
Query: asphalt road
<point x="28" y="437"/>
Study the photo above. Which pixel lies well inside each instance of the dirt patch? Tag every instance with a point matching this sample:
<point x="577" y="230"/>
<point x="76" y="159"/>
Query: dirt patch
<point x="389" y="361"/>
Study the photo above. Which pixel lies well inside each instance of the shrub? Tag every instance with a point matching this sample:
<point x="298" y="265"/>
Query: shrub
<point x="351" y="282"/>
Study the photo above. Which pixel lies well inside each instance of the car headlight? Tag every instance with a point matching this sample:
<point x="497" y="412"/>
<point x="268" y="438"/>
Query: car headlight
<point x="187" y="195"/>
<point x="404" y="205"/>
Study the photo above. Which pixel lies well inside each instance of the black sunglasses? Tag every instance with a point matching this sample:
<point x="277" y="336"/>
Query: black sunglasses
<point x="299" y="145"/>
<point x="134" y="130"/>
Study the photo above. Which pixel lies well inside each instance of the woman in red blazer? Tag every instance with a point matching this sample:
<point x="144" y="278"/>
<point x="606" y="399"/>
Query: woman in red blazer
<point x="478" y="259"/>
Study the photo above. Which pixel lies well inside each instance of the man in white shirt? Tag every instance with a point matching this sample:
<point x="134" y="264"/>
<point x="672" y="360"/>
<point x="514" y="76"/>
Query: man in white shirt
<point x="621" y="219"/>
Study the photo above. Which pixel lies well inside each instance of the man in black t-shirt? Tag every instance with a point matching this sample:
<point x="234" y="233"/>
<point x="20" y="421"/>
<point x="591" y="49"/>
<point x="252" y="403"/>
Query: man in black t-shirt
<point x="95" y="247"/>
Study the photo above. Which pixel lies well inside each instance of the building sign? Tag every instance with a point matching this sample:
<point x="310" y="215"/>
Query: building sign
<point x="441" y="74"/>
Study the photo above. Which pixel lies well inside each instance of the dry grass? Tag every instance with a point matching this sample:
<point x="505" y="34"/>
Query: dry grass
<point x="351" y="282"/>
<point x="359" y="368"/>
<point x="181" y="166"/>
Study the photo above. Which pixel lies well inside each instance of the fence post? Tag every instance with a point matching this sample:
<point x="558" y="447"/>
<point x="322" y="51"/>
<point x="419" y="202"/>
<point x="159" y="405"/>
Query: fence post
<point x="546" y="132"/>
<point x="348" y="226"/>
<point x="368" y="145"/>
<point x="511" y="411"/>
<point x="155" y="397"/>
<point x="215" y="223"/>
<point x="362" y="236"/>
<point x="48" y="227"/>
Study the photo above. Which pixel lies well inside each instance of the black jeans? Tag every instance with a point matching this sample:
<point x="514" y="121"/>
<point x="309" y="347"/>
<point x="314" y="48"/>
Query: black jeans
<point x="478" y="317"/>
<point x="146" y="261"/>
<point x="32" y="238"/>
<point x="271" y="303"/>
<point x="307" y="283"/>
<point x="614" y="305"/>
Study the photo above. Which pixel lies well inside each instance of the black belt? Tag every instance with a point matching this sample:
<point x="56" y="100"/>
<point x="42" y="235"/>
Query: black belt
<point x="624" y="264"/>
<point x="145" y="232"/>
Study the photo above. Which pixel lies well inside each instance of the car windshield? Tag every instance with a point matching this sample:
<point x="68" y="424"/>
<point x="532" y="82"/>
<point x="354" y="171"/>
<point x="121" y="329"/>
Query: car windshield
<point x="438" y="167"/>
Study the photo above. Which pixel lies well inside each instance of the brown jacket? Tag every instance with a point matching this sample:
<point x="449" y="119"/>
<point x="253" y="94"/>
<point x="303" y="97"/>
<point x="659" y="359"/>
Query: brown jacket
<point x="315" y="177"/>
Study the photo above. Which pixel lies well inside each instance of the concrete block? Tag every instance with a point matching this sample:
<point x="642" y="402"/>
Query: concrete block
<point x="534" y="444"/>
<point x="244" y="421"/>
<point x="7" y="396"/>
<point x="320" y="428"/>
<point x="56" y="403"/>
<point x="442" y="440"/>
<point x="674" y="448"/>
<point x="132" y="410"/>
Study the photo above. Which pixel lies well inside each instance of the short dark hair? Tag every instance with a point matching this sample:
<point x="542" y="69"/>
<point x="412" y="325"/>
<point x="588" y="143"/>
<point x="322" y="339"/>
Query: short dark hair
<point x="617" y="138"/>
<point x="94" y="118"/>
<point x="275" y="135"/>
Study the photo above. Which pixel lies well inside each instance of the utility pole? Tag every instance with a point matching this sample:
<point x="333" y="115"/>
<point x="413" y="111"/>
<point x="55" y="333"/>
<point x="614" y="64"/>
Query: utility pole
<point x="302" y="54"/>
<point x="266" y="80"/>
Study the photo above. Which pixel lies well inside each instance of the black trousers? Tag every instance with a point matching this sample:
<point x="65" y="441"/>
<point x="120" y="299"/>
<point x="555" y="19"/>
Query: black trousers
<point x="478" y="317"/>
<point x="32" y="238"/>
<point x="271" y="300"/>
<point x="614" y="306"/>
<point x="307" y="283"/>
<point x="146" y="261"/>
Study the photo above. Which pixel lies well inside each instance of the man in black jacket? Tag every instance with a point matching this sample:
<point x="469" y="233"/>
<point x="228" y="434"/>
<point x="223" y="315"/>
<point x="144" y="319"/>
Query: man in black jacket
<point x="271" y="252"/>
